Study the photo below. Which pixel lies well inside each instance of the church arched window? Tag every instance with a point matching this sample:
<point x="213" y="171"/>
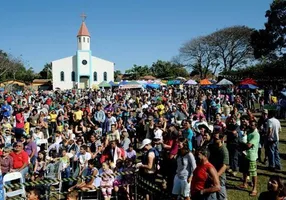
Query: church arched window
<point x="83" y="39"/>
<point x="94" y="76"/>
<point x="62" y="76"/>
<point x="87" y="40"/>
<point x="105" y="76"/>
<point x="73" y="76"/>
<point x="79" y="40"/>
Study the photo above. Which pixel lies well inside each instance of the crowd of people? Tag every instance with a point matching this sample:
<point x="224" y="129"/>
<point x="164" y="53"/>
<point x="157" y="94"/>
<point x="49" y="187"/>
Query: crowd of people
<point x="187" y="137"/>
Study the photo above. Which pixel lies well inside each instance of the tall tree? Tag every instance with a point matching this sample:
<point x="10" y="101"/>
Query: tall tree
<point x="198" y="54"/>
<point x="166" y="69"/>
<point x="270" y="42"/>
<point x="117" y="73"/>
<point x="46" y="72"/>
<point x="8" y="64"/>
<point x="231" y="47"/>
<point x="138" y="71"/>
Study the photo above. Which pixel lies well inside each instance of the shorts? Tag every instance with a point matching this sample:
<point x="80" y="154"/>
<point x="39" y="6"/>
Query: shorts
<point x="181" y="187"/>
<point x="248" y="167"/>
<point x="252" y="168"/>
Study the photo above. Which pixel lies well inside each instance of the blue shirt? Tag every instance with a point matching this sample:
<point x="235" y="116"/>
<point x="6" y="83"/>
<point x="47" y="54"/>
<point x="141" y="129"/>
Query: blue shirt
<point x="188" y="134"/>
<point x="6" y="109"/>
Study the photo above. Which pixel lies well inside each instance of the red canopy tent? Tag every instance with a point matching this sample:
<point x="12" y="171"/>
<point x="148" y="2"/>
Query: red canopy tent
<point x="248" y="81"/>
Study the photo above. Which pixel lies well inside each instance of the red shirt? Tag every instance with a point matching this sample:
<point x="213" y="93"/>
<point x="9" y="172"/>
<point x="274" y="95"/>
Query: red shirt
<point x="49" y="101"/>
<point x="200" y="177"/>
<point x="19" y="159"/>
<point x="9" y="99"/>
<point x="20" y="120"/>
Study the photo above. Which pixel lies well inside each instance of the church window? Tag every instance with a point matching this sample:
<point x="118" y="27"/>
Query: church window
<point x="79" y="40"/>
<point x="62" y="76"/>
<point x="94" y="76"/>
<point x="83" y="39"/>
<point x="73" y="76"/>
<point x="87" y="40"/>
<point x="105" y="76"/>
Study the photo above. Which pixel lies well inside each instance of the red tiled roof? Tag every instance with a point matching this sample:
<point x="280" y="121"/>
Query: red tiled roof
<point x="83" y="31"/>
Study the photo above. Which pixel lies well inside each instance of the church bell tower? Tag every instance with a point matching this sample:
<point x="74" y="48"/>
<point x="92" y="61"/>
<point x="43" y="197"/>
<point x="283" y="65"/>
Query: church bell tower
<point x="83" y="36"/>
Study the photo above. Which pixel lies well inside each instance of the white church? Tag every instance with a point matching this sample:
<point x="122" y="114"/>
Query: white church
<point x="81" y="70"/>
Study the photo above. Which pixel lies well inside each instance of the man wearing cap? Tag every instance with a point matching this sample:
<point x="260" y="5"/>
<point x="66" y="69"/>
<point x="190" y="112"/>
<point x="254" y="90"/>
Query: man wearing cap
<point x="31" y="149"/>
<point x="147" y="167"/>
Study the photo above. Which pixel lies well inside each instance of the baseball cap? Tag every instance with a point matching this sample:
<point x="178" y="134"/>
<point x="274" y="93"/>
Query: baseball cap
<point x="265" y="111"/>
<point x="145" y="142"/>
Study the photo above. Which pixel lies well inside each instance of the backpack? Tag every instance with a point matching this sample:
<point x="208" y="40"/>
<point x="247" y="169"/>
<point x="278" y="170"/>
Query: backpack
<point x="157" y="157"/>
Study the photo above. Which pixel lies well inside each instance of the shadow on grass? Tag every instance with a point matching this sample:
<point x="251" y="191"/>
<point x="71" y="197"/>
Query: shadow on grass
<point x="282" y="141"/>
<point x="233" y="178"/>
<point x="235" y="187"/>
<point x="267" y="172"/>
<point x="283" y="155"/>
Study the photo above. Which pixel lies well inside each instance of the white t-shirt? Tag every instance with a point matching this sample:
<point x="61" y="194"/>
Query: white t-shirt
<point x="275" y="126"/>
<point x="83" y="158"/>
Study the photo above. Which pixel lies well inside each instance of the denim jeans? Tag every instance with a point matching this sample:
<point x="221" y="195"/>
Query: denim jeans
<point x="24" y="172"/>
<point x="222" y="195"/>
<point x="210" y="196"/>
<point x="66" y="172"/>
<point x="233" y="157"/>
<point x="273" y="155"/>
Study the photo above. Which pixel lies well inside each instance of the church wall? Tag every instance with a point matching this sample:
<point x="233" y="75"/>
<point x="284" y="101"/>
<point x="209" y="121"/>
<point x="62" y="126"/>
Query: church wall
<point x="83" y="70"/>
<point x="100" y="66"/>
<point x="66" y="65"/>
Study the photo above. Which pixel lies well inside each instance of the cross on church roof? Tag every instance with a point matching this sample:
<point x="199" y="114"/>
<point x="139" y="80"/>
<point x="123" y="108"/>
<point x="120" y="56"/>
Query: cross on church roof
<point x="83" y="17"/>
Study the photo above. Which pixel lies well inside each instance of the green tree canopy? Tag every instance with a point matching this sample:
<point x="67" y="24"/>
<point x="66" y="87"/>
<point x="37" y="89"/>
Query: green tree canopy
<point x="117" y="73"/>
<point x="14" y="68"/>
<point x="46" y="72"/>
<point x="138" y="71"/>
<point x="166" y="69"/>
<point x="270" y="42"/>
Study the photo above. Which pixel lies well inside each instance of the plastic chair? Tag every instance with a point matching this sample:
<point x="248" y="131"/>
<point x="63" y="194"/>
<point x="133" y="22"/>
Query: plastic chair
<point x="54" y="171"/>
<point x="11" y="177"/>
<point x="43" y="141"/>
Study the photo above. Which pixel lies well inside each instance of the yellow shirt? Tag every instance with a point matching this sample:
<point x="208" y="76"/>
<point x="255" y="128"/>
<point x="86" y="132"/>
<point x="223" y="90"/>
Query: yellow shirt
<point x="53" y="117"/>
<point x="161" y="108"/>
<point x="78" y="115"/>
<point x="7" y="126"/>
<point x="27" y="127"/>
<point x="60" y="128"/>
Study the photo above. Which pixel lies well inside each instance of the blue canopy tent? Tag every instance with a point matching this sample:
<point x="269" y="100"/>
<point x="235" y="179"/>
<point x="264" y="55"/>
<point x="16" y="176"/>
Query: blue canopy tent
<point x="123" y="83"/>
<point x="113" y="84"/>
<point x="153" y="86"/>
<point x="174" y="82"/>
<point x="209" y="86"/>
<point x="248" y="86"/>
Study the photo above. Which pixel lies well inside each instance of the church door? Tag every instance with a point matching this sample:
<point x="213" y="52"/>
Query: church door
<point x="84" y="82"/>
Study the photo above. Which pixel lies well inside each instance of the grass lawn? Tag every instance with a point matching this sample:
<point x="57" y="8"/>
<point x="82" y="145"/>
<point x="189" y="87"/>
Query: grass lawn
<point x="234" y="193"/>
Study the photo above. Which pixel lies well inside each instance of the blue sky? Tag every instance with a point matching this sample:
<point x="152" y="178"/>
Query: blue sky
<point x="126" y="32"/>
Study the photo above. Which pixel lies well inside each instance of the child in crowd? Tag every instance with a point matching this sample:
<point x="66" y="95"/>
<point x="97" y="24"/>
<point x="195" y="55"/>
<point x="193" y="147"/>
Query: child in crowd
<point x="90" y="183"/>
<point x="106" y="181"/>
<point x="40" y="166"/>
